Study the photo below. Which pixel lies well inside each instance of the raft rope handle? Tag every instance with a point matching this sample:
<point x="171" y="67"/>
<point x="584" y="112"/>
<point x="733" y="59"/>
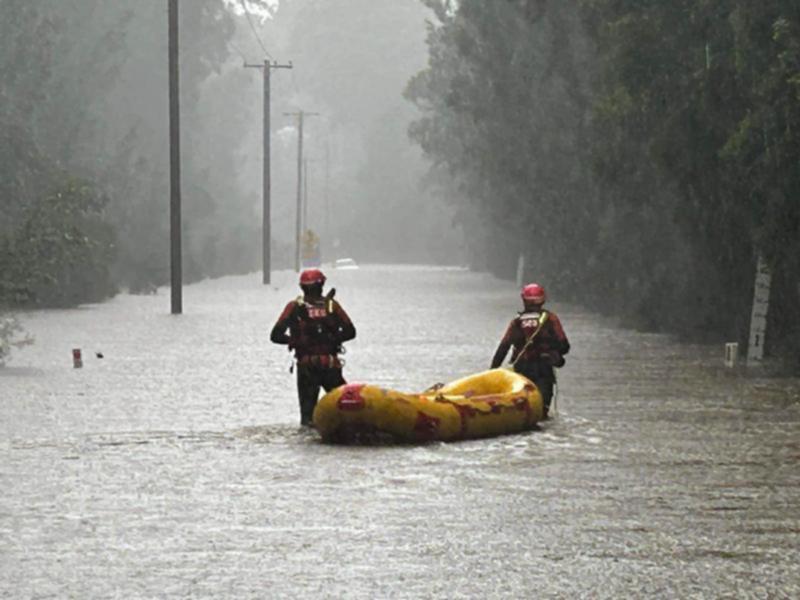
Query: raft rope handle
<point x="528" y="342"/>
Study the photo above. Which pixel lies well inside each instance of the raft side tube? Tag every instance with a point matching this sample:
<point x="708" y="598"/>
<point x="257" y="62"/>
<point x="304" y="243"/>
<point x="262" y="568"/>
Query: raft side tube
<point x="490" y="403"/>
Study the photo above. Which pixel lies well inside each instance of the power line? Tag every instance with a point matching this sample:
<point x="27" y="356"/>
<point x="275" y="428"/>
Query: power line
<point x="235" y="47"/>
<point x="253" y="28"/>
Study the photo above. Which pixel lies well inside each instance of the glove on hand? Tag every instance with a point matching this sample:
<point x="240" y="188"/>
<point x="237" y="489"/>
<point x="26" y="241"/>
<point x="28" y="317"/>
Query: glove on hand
<point x="555" y="359"/>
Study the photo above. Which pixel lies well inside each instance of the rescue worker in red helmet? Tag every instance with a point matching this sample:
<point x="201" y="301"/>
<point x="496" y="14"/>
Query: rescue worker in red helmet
<point x="317" y="327"/>
<point x="538" y="340"/>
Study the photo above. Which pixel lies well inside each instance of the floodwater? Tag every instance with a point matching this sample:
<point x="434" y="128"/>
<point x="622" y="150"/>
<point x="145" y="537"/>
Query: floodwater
<point x="174" y="466"/>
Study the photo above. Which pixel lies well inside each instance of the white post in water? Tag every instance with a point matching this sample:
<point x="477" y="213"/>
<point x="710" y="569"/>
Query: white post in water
<point x="758" y="318"/>
<point x="520" y="269"/>
<point x="731" y="354"/>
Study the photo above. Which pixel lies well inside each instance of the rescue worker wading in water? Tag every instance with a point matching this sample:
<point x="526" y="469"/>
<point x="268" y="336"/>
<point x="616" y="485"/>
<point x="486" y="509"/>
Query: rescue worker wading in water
<point x="317" y="327"/>
<point x="539" y="343"/>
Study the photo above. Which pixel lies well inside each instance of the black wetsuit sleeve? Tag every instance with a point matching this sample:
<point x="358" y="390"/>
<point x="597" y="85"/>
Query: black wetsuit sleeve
<point x="279" y="334"/>
<point x="562" y="343"/>
<point x="502" y="348"/>
<point x="346" y="331"/>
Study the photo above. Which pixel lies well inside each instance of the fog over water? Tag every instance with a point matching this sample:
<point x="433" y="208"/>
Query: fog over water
<point x="638" y="160"/>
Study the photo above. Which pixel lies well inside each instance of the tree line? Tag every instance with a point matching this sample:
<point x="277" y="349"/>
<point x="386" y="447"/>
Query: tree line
<point x="83" y="151"/>
<point x="641" y="155"/>
<point x="83" y="122"/>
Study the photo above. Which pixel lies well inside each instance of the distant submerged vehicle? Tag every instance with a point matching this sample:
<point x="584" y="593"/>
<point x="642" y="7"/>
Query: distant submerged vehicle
<point x="345" y="263"/>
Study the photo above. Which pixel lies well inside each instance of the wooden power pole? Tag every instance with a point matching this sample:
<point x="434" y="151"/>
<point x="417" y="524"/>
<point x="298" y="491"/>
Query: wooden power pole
<point x="176" y="270"/>
<point x="328" y="236"/>
<point x="301" y="115"/>
<point x="305" y="195"/>
<point x="266" y="221"/>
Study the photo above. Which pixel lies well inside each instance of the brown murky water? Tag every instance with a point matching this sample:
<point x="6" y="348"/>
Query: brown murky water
<point x="174" y="466"/>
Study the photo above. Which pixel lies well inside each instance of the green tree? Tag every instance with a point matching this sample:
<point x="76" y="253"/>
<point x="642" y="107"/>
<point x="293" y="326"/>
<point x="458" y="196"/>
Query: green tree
<point x="505" y="100"/>
<point x="643" y="154"/>
<point x="61" y="253"/>
<point x="703" y="90"/>
<point x="55" y="245"/>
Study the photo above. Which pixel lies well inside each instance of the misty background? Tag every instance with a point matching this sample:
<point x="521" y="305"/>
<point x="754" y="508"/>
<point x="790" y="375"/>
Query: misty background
<point x="640" y="157"/>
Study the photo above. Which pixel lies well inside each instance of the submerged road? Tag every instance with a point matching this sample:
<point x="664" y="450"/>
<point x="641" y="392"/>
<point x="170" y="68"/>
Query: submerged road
<point x="174" y="465"/>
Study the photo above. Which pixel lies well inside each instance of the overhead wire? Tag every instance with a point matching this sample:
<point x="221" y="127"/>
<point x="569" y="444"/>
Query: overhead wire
<point x="253" y="28"/>
<point x="238" y="51"/>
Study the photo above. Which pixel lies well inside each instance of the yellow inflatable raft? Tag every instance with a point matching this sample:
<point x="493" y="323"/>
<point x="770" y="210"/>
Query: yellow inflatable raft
<point x="487" y="404"/>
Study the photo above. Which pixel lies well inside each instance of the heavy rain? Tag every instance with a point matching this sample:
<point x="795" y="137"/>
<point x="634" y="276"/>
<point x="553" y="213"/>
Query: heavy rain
<point x="399" y="299"/>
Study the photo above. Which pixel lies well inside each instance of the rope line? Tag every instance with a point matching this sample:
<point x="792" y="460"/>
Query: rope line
<point x="238" y="51"/>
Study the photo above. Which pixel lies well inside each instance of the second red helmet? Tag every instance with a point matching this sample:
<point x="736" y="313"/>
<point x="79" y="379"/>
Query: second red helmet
<point x="534" y="293"/>
<point x="312" y="276"/>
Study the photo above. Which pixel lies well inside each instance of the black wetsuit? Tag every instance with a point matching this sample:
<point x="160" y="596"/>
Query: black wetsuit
<point x="317" y="327"/>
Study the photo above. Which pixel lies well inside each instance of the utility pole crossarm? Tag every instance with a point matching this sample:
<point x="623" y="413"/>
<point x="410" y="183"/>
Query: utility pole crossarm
<point x="271" y="65"/>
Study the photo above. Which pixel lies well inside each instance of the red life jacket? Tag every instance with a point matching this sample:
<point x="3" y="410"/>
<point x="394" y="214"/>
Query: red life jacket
<point x="534" y="336"/>
<point x="529" y="322"/>
<point x="313" y="330"/>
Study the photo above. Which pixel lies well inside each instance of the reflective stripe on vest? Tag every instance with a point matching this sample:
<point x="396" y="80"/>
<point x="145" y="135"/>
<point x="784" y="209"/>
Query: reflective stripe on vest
<point x="315" y="311"/>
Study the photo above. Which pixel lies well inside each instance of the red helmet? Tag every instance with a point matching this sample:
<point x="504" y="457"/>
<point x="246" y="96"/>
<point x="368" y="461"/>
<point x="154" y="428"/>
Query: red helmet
<point x="312" y="276"/>
<point x="533" y="293"/>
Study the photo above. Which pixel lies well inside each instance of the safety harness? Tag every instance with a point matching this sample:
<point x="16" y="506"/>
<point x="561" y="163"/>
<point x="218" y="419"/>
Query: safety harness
<point x="542" y="321"/>
<point x="321" y="360"/>
<point x="301" y="303"/>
